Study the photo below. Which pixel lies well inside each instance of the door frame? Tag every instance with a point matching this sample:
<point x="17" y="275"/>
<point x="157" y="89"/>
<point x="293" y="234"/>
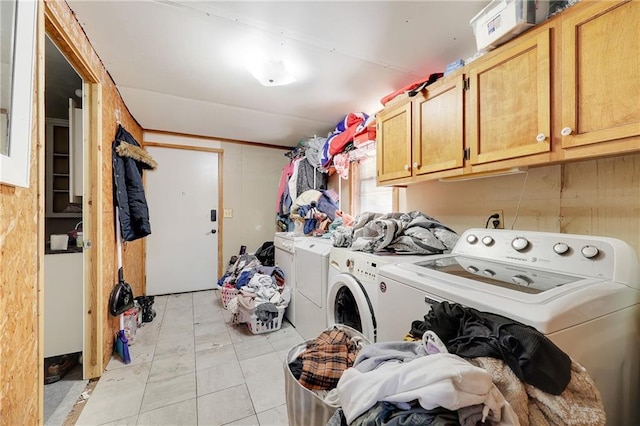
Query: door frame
<point x="220" y="223"/>
<point x="93" y="322"/>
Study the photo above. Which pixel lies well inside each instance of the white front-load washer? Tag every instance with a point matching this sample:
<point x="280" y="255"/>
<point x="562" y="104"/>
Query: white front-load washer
<point x="311" y="280"/>
<point x="352" y="294"/>
<point x="582" y="292"/>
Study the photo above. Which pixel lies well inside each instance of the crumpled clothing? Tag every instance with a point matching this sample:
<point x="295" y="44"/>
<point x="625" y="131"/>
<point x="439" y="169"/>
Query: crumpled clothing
<point x="266" y="312"/>
<point x="445" y="380"/>
<point x="275" y="272"/>
<point x="246" y="300"/>
<point x="341" y="163"/>
<point x="326" y="358"/>
<point x="263" y="286"/>
<point x="408" y="233"/>
<point x="347" y="219"/>
<point x="313" y="149"/>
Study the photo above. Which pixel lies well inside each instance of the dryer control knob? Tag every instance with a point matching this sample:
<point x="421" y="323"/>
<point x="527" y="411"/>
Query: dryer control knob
<point x="350" y="263"/>
<point x="472" y="239"/>
<point x="589" y="251"/>
<point x="560" y="248"/>
<point x="472" y="269"/>
<point x="487" y="241"/>
<point x="519" y="243"/>
<point x="489" y="273"/>
<point x="521" y="280"/>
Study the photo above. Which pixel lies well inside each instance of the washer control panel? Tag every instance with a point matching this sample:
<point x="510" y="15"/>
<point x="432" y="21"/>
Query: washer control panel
<point x="583" y="255"/>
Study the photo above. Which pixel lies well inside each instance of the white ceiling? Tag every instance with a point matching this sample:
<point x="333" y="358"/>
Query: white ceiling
<point x="179" y="65"/>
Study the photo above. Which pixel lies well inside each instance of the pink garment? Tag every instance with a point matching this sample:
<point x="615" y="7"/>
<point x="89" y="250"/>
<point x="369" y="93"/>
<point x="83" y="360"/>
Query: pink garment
<point x="284" y="179"/>
<point x="341" y="163"/>
<point x="347" y="219"/>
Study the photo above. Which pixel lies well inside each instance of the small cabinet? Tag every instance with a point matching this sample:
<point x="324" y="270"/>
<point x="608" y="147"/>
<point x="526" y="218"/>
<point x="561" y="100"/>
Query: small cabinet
<point x="393" y="141"/>
<point x="510" y="101"/>
<point x="422" y="135"/>
<point x="601" y="78"/>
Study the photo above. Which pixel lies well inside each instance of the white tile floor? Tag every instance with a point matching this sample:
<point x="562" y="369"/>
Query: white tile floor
<point x="191" y="366"/>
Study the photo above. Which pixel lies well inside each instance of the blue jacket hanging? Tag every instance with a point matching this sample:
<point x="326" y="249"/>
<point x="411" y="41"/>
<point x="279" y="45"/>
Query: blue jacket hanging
<point x="129" y="160"/>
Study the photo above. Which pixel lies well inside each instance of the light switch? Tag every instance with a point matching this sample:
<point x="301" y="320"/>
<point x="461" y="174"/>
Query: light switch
<point x="228" y="212"/>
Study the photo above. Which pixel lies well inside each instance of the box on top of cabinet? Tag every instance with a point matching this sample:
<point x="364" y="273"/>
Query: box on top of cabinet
<point x="501" y="20"/>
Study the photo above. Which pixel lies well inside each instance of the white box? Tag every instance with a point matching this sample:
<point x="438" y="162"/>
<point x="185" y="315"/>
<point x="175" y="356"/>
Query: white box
<point x="502" y="20"/>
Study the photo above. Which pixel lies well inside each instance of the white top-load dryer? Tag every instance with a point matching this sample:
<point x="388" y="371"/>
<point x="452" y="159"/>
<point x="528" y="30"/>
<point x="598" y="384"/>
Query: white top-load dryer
<point x="582" y="292"/>
<point x="311" y="277"/>
<point x="284" y="258"/>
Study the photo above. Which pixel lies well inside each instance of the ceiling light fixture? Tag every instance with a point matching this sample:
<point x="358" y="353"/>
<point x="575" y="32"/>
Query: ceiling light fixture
<point x="271" y="73"/>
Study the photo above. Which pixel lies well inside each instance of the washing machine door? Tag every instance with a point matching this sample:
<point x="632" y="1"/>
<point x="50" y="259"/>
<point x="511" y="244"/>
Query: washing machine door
<point x="349" y="304"/>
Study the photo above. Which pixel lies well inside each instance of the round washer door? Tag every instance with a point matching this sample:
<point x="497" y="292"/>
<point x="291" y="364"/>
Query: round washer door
<point x="349" y="304"/>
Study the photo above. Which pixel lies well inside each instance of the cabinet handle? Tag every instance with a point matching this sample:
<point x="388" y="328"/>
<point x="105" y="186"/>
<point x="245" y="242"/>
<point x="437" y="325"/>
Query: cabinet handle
<point x="416" y="165"/>
<point x="541" y="137"/>
<point x="406" y="167"/>
<point x="566" y="131"/>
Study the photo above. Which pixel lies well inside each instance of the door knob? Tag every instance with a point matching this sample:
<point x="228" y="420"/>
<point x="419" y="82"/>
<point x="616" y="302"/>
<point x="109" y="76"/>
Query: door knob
<point x="213" y="231"/>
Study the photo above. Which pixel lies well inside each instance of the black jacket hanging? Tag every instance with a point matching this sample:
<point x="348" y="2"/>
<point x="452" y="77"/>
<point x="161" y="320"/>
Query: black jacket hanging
<point x="129" y="160"/>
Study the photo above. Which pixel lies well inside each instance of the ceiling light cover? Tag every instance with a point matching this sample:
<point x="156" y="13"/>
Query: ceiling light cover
<point x="271" y="73"/>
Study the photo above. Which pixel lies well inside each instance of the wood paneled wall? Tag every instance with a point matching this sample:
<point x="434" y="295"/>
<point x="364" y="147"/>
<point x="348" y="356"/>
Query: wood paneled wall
<point x="113" y="111"/>
<point x="22" y="232"/>
<point x="595" y="197"/>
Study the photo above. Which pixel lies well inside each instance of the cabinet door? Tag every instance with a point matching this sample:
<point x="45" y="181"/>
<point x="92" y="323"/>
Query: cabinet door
<point x="510" y="101"/>
<point x="438" y="126"/>
<point x="601" y="73"/>
<point x="394" y="142"/>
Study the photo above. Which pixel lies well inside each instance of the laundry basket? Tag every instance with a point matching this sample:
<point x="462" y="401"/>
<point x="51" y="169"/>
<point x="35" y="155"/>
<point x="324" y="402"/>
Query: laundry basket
<point x="228" y="293"/>
<point x="258" y="327"/>
<point x="304" y="406"/>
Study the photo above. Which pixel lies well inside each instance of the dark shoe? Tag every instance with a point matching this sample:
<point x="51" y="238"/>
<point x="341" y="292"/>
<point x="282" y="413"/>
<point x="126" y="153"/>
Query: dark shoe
<point x="56" y="371"/>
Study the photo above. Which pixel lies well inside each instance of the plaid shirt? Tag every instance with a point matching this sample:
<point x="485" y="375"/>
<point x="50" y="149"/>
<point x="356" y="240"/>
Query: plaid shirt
<point x="326" y="358"/>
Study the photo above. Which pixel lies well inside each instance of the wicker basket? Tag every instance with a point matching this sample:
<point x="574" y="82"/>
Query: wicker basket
<point x="228" y="293"/>
<point x="258" y="327"/>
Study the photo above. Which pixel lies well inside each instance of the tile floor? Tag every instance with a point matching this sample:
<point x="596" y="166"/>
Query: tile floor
<point x="192" y="366"/>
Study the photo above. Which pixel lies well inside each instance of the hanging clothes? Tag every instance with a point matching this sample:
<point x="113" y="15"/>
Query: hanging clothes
<point x="129" y="160"/>
<point x="309" y="177"/>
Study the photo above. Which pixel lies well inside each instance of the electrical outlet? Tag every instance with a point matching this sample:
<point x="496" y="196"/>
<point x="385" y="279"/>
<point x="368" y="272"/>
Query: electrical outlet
<point x="228" y="213"/>
<point x="500" y="219"/>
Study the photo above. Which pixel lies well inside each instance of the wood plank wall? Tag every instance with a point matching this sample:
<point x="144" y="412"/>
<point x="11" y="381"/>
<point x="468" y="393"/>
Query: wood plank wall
<point x="22" y="237"/>
<point x="113" y="110"/>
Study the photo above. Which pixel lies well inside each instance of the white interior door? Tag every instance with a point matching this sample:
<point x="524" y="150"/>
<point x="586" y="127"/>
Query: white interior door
<point x="182" y="250"/>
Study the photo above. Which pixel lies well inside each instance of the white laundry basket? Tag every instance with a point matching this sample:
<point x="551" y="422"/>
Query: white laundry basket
<point x="304" y="406"/>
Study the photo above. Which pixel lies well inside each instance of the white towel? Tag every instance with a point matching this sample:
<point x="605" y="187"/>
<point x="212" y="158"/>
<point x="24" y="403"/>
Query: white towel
<point x="439" y="380"/>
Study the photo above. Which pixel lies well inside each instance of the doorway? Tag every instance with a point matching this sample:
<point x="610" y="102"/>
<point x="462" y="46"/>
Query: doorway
<point x="63" y="262"/>
<point x="183" y="196"/>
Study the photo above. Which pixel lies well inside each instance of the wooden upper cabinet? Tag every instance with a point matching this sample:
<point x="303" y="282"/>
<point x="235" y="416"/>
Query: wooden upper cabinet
<point x="510" y="100"/>
<point x="601" y="74"/>
<point x="438" y="138"/>
<point x="393" y="140"/>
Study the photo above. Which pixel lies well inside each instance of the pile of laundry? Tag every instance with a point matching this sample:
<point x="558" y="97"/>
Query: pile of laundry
<point x="257" y="290"/>
<point x="313" y="160"/>
<point x="406" y="233"/>
<point x="467" y="367"/>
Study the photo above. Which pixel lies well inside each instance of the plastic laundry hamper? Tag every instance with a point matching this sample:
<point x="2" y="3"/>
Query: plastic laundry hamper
<point x="258" y="327"/>
<point x="304" y="406"/>
<point x="228" y="293"/>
